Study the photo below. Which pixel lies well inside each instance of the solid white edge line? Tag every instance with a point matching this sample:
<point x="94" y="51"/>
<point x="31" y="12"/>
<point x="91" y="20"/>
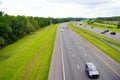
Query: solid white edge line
<point x="62" y="57"/>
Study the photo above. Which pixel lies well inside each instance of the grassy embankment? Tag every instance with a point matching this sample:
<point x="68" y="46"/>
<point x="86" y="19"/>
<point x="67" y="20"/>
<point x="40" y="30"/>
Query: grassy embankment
<point x="98" y="43"/>
<point x="28" y="58"/>
<point x="111" y="22"/>
<point x="103" y="26"/>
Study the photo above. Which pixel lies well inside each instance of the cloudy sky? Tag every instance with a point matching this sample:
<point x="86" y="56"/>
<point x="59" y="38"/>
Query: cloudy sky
<point x="61" y="8"/>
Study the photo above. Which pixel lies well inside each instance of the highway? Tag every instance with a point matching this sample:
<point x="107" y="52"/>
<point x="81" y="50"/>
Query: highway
<point x="75" y="53"/>
<point x="98" y="30"/>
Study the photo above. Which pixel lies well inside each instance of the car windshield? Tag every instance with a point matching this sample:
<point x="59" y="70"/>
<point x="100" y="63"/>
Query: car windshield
<point x="92" y="69"/>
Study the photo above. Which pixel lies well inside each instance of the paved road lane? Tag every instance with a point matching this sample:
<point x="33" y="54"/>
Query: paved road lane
<point x="76" y="54"/>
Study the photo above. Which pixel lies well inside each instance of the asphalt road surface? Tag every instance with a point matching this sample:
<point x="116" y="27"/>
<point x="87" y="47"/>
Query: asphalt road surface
<point x="75" y="54"/>
<point x="97" y="30"/>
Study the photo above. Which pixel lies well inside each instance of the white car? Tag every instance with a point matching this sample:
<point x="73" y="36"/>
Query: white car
<point x="91" y="70"/>
<point x="61" y="30"/>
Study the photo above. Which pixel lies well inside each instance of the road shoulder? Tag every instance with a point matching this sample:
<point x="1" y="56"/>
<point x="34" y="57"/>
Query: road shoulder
<point x="55" y="72"/>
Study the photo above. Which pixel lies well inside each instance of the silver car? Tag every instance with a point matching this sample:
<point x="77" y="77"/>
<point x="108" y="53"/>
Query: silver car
<point x="61" y="30"/>
<point x="91" y="70"/>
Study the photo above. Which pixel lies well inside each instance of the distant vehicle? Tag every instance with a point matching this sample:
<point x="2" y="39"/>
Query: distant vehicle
<point x="113" y="33"/>
<point x="61" y="30"/>
<point x="80" y="24"/>
<point x="92" y="27"/>
<point x="105" y="31"/>
<point x="91" y="70"/>
<point x="67" y="28"/>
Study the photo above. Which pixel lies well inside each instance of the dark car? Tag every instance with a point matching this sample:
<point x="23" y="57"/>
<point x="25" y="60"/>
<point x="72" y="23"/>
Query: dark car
<point x="92" y="27"/>
<point x="113" y="33"/>
<point x="105" y="31"/>
<point x="91" y="70"/>
<point x="67" y="28"/>
<point x="80" y="24"/>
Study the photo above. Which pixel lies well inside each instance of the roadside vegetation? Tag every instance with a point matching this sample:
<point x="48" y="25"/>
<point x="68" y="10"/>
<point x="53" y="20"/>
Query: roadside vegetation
<point x="99" y="41"/>
<point x="107" y="20"/>
<point x="28" y="58"/>
<point x="105" y="23"/>
<point x="26" y="45"/>
<point x="103" y="26"/>
<point x="13" y="28"/>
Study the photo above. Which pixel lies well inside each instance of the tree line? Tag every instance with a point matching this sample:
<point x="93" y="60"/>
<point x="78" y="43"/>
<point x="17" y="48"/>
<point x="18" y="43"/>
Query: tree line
<point x="101" y="19"/>
<point x="13" y="28"/>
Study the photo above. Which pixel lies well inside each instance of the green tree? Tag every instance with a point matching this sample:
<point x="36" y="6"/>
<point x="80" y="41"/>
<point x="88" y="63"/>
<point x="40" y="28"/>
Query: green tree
<point x="1" y="13"/>
<point x="4" y="29"/>
<point x="18" y="25"/>
<point x="90" y="21"/>
<point x="2" y="41"/>
<point x="118" y="26"/>
<point x="29" y="27"/>
<point x="33" y="22"/>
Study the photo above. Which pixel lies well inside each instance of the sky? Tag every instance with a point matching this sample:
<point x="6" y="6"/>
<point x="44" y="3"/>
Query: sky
<point x="61" y="8"/>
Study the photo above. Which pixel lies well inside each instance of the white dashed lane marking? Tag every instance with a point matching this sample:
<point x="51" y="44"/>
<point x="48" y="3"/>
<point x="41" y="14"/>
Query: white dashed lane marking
<point x="78" y="66"/>
<point x="73" y="55"/>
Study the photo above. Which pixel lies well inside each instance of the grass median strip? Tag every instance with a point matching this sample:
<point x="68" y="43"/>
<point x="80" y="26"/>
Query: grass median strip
<point x="103" y="26"/>
<point x="28" y="58"/>
<point x="98" y="43"/>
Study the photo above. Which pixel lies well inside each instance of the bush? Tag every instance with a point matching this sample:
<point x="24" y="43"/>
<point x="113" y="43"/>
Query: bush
<point x="118" y="26"/>
<point x="2" y="41"/>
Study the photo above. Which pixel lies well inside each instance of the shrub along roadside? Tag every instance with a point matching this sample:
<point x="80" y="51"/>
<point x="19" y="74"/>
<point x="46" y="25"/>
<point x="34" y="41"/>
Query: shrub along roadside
<point x="98" y="43"/>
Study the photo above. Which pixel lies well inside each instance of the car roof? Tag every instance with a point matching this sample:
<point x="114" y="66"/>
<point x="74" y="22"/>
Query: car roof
<point x="90" y="65"/>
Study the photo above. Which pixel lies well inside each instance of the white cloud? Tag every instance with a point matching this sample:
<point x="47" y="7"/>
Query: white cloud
<point x="61" y="8"/>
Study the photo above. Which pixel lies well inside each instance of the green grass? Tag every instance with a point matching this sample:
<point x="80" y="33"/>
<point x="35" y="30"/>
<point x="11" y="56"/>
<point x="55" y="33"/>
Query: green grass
<point x="98" y="43"/>
<point x="103" y="26"/>
<point x="111" y="22"/>
<point x="29" y="58"/>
